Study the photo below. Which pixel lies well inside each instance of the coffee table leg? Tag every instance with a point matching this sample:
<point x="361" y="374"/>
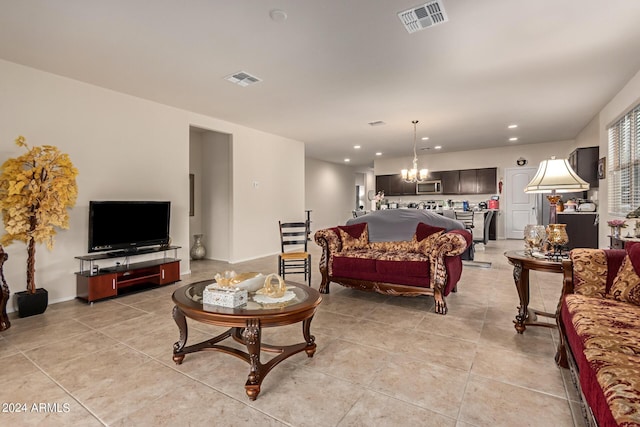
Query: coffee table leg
<point x="181" y="321"/>
<point x="310" y="339"/>
<point x="251" y="337"/>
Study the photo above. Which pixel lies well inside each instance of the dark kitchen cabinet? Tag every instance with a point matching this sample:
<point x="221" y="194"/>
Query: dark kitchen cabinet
<point x="393" y="185"/>
<point x="468" y="181"/>
<point x="433" y="176"/>
<point x="398" y="187"/>
<point x="382" y="184"/>
<point x="487" y="180"/>
<point x="450" y="182"/>
<point x="584" y="162"/>
<point x="582" y="229"/>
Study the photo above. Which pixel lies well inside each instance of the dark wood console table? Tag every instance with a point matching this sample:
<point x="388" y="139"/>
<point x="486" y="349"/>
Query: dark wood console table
<point x="522" y="264"/>
<point x="95" y="283"/>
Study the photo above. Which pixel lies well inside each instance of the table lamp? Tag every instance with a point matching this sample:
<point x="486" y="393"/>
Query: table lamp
<point x="556" y="176"/>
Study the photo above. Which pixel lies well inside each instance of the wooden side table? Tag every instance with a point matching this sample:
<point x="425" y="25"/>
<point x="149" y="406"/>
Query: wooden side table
<point x="522" y="264"/>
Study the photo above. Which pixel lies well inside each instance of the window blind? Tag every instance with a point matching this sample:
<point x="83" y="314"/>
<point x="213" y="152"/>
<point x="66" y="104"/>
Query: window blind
<point x="623" y="164"/>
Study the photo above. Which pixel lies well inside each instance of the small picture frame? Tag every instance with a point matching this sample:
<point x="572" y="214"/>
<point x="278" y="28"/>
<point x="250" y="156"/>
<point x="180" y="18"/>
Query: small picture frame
<point x="602" y="168"/>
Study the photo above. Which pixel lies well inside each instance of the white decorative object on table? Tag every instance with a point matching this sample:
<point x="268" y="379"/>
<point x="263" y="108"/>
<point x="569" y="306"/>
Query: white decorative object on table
<point x="224" y="296"/>
<point x="250" y="282"/>
<point x="265" y="299"/>
<point x="273" y="294"/>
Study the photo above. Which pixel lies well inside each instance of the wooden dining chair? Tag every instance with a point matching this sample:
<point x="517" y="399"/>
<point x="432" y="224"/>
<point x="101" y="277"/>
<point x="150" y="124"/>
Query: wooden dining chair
<point x="294" y="258"/>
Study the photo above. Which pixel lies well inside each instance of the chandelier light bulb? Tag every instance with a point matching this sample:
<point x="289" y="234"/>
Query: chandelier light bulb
<point x="414" y="174"/>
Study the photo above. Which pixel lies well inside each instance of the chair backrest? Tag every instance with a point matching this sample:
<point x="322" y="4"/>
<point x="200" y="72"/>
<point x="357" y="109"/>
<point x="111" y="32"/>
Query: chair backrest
<point x="465" y="217"/>
<point x="487" y="223"/>
<point x="294" y="236"/>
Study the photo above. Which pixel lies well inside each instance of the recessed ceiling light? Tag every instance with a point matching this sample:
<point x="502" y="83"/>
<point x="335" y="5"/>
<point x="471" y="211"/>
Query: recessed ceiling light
<point x="357" y="147"/>
<point x="425" y="138"/>
<point x="513" y="139"/>
<point x="347" y="160"/>
<point x="378" y="154"/>
<point x="512" y="126"/>
<point x="438" y="147"/>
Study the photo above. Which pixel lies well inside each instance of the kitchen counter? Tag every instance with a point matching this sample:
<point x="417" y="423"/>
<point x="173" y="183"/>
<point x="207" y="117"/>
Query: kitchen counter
<point x="575" y="213"/>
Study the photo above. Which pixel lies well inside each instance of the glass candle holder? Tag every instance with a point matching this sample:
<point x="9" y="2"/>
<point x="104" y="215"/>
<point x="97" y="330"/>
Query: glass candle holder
<point x="534" y="237"/>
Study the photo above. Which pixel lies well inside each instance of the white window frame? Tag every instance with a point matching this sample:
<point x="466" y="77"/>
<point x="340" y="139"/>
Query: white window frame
<point x="623" y="164"/>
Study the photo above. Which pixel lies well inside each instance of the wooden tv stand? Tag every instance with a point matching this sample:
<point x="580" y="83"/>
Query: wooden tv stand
<point x="93" y="284"/>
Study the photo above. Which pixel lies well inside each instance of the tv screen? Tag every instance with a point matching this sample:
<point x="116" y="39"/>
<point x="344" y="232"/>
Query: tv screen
<point x="127" y="225"/>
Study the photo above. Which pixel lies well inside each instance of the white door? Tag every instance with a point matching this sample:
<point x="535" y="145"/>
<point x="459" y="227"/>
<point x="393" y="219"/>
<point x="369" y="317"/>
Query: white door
<point x="520" y="207"/>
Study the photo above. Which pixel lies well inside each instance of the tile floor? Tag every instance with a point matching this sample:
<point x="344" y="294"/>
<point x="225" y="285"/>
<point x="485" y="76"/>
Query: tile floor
<point x="381" y="361"/>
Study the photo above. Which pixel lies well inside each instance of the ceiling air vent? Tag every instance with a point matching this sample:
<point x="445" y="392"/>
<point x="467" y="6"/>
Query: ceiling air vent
<point x="242" y="78"/>
<point x="421" y="17"/>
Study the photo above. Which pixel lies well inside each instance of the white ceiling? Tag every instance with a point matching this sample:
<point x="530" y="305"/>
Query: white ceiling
<point x="335" y="65"/>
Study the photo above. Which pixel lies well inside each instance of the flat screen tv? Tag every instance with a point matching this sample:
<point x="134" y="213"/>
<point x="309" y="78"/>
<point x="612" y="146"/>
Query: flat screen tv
<point x="128" y="225"/>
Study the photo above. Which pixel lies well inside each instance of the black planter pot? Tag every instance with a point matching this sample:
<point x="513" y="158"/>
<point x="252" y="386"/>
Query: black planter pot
<point x="32" y="304"/>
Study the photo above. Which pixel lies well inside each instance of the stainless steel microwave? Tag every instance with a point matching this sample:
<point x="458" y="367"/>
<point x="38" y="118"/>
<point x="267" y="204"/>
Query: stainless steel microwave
<point x="429" y="187"/>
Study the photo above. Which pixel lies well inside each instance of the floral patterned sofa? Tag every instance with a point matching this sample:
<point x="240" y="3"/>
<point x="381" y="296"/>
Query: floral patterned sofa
<point x="426" y="263"/>
<point x="599" y="320"/>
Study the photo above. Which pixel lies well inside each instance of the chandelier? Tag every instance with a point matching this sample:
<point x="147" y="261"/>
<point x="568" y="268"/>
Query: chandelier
<point x="413" y="174"/>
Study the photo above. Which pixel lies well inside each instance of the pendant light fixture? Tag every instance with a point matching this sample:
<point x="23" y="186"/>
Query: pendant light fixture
<point x="413" y="174"/>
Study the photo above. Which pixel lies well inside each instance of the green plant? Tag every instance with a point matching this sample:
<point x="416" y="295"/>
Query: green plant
<point x="36" y="189"/>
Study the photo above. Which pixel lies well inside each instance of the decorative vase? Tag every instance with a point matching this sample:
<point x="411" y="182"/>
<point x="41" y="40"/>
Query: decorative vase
<point x="615" y="232"/>
<point x="198" y="251"/>
<point x="534" y="237"/>
<point x="557" y="234"/>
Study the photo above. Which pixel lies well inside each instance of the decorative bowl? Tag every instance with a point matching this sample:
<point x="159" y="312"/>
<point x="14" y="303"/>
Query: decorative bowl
<point x="250" y="282"/>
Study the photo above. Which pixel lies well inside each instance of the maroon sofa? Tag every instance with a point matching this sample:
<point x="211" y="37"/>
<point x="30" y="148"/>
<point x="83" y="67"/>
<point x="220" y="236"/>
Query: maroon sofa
<point x="426" y="263"/>
<point x="599" y="321"/>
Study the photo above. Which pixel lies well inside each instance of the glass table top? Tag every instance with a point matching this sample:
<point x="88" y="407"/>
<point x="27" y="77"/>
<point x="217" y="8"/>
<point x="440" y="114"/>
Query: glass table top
<point x="192" y="296"/>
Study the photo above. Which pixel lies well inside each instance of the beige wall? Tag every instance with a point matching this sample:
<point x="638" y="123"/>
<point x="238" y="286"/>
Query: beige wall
<point x="330" y="193"/>
<point x="129" y="148"/>
<point x="195" y="168"/>
<point x="215" y="194"/>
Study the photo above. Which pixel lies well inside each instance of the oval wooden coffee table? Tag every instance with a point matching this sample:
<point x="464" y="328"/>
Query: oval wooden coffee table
<point x="246" y="323"/>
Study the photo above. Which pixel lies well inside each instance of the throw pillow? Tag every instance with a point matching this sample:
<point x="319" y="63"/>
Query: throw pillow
<point x="425" y="230"/>
<point x="426" y="245"/>
<point x="354" y="236"/>
<point x="425" y="237"/>
<point x="626" y="285"/>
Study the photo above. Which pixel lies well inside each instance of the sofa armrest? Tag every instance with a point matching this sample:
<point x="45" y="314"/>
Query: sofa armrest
<point x="450" y="244"/>
<point x="466" y="235"/>
<point x="329" y="238"/>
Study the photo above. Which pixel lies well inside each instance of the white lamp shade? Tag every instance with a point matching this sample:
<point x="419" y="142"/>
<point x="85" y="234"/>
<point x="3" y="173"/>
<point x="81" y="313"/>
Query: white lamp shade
<point x="556" y="174"/>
